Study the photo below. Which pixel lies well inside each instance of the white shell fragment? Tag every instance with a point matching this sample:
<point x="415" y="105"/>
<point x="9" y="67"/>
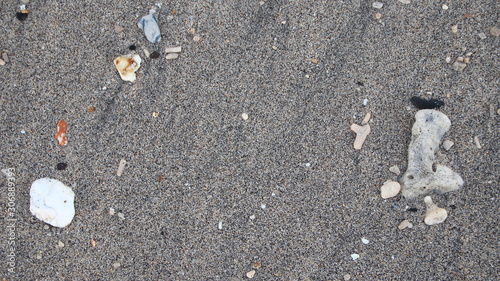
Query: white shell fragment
<point x="390" y="189"/>
<point x="149" y="25"/>
<point x="172" y="56"/>
<point x="447" y="144"/>
<point x="52" y="202"/>
<point x="354" y="257"/>
<point x="423" y="174"/>
<point x="121" y="167"/>
<point x="176" y="49"/>
<point x="365" y="241"/>
<point x="361" y="134"/>
<point x="127" y="66"/>
<point x="434" y="214"/>
<point x="395" y="169"/>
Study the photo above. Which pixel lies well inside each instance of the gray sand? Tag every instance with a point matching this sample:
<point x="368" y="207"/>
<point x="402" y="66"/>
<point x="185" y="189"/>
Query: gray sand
<point x="294" y="153"/>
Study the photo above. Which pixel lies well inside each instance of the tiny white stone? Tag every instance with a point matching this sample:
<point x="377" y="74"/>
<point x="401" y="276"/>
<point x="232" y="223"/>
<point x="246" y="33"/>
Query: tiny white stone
<point x="23" y="132"/>
<point x="146" y="52"/>
<point x="244" y="116"/>
<point x="404" y="224"/>
<point x="111" y="211"/>
<point x="170" y="17"/>
<point x="482" y="35"/>
<point x="273" y="194"/>
<point x="308" y="164"/>
<point x="448" y="59"/>
<point x="39" y="256"/>
<point x="252" y="217"/>
<point x="365" y="102"/>
<point x="60" y="244"/>
<point x="390" y="189"/>
<point x="121" y="215"/>
<point x="405" y="1"/>
<point x="307" y="76"/>
<point x="171" y="56"/>
<point x="251" y="273"/>
<point x="283" y="22"/>
<point x="22" y="7"/>
<point x="263" y="206"/>
<point x="445" y="7"/>
<point x="395" y="169"/>
<point x="220" y="225"/>
<point x="478" y="144"/>
<point x="454" y="28"/>
<point x="262" y="3"/>
<point x="175" y="49"/>
<point x="116" y="265"/>
<point x="196" y="38"/>
<point x="377" y="5"/>
<point x="121" y="167"/>
<point x="354" y="257"/>
<point x="447" y="144"/>
<point x="365" y="241"/>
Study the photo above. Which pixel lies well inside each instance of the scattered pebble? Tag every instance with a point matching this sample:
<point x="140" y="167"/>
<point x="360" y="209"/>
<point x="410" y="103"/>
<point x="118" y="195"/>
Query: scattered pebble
<point x="39" y="256"/>
<point x="116" y="265"/>
<point x="60" y="244"/>
<point x="252" y="217"/>
<point x="196" y="38"/>
<point x="256" y="265"/>
<point x="156" y="114"/>
<point x="347" y="277"/>
<point x="244" y="116"/>
<point x="263" y="206"/>
<point x="46" y="227"/>
<point x="365" y="241"/>
<point x="220" y="225"/>
<point x="458" y="66"/>
<point x="315" y="61"/>
<point x="481" y="35"/>
<point x="365" y="102"/>
<point x="444" y="7"/>
<point x="434" y="214"/>
<point x="354" y="257"/>
<point x="454" y="28"/>
<point x="395" y="170"/>
<point x="447" y="144"/>
<point x="404" y="224"/>
<point x="93" y="243"/>
<point x="25" y="1"/>
<point x="366" y="119"/>
<point x="421" y="103"/>
<point x="132" y="47"/>
<point x="119" y="28"/>
<point x="112" y="211"/>
<point x="261" y="3"/>
<point x="90" y="109"/>
<point x="495" y="31"/>
<point x="274" y="47"/>
<point x="251" y="273"/>
<point x="448" y="59"/>
<point x="146" y="52"/>
<point x="466" y="60"/>
<point x="172" y="56"/>
<point x="23" y="15"/>
<point x="2" y="62"/>
<point x="476" y="141"/>
<point x="308" y="165"/>
<point x="390" y="189"/>
<point x="176" y="49"/>
<point x="121" y="215"/>
<point x="377" y="5"/>
<point x="61" y="166"/>
<point x="121" y="167"/>
<point x="61" y="133"/>
<point x="154" y="55"/>
<point x="23" y="132"/>
<point x="5" y="57"/>
<point x="378" y="16"/>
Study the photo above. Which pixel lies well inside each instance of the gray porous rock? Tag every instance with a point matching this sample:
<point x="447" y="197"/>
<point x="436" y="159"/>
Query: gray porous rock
<point x="423" y="175"/>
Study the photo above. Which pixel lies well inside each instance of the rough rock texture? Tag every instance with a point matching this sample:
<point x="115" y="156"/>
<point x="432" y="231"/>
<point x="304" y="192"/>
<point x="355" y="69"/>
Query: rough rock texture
<point x="423" y="174"/>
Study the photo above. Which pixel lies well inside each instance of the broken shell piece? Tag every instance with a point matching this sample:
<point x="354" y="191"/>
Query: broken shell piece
<point x="366" y="119"/>
<point x="61" y="133"/>
<point x="395" y="169"/>
<point x="149" y="25"/>
<point x="404" y="224"/>
<point x="434" y="214"/>
<point x="172" y="56"/>
<point x="423" y="175"/>
<point x="176" y="49"/>
<point x="127" y="66"/>
<point x="52" y="202"/>
<point x="390" y="189"/>
<point x="121" y="167"/>
<point x="361" y="134"/>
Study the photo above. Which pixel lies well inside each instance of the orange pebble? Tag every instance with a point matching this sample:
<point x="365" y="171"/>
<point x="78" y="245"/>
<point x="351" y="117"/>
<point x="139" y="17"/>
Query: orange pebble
<point x="61" y="133"/>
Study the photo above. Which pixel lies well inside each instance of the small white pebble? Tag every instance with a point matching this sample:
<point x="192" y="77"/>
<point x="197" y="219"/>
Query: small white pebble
<point x="308" y="164"/>
<point x="244" y="116"/>
<point x="263" y="206"/>
<point x="252" y="217"/>
<point x="39" y="256"/>
<point x="121" y="215"/>
<point x="175" y="49"/>
<point x="478" y="144"/>
<point x="121" y="167"/>
<point x="378" y="16"/>
<point x="262" y="3"/>
<point x="273" y="194"/>
<point x="365" y="241"/>
<point x="395" y="169"/>
<point x="347" y="277"/>
<point x="60" y="244"/>
<point x="448" y="59"/>
<point x="454" y="28"/>
<point x="146" y="52"/>
<point x="171" y="56"/>
<point x="365" y="102"/>
<point x="251" y="273"/>
<point x="482" y="35"/>
<point x="22" y="7"/>
<point x="445" y="7"/>
<point x="283" y="22"/>
<point x="196" y="38"/>
<point x="274" y="47"/>
<point x="307" y="75"/>
<point x="46" y="227"/>
<point x="447" y="144"/>
<point x="220" y="225"/>
<point x="116" y="265"/>
<point x="354" y="257"/>
<point x="170" y="17"/>
<point x="23" y="132"/>
<point x="111" y="211"/>
<point x="377" y="5"/>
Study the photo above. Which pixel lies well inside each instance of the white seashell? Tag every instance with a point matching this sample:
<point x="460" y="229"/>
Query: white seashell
<point x="127" y="66"/>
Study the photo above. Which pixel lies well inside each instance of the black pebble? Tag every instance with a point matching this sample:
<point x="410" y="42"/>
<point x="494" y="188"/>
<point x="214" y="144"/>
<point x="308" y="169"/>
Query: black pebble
<point x="412" y="210"/>
<point x="421" y="103"/>
<point x="132" y="47"/>
<point x="359" y="83"/>
<point x="154" y="55"/>
<point x="21" y="16"/>
<point x="62" y="166"/>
